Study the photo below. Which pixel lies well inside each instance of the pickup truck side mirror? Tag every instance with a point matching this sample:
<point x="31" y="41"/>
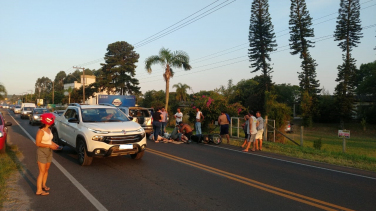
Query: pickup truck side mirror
<point x="8" y="124"/>
<point x="73" y="120"/>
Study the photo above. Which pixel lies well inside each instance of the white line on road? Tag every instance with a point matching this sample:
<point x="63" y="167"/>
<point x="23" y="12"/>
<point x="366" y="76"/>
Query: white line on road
<point x="302" y="164"/>
<point x="78" y="185"/>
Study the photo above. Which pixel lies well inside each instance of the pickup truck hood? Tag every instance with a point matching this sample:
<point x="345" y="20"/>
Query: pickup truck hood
<point x="113" y="126"/>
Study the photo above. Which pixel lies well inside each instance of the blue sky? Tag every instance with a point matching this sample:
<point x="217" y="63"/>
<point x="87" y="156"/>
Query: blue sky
<point x="41" y="38"/>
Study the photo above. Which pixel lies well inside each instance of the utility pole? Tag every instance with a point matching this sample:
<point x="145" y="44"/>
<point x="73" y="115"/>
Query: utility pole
<point x="83" y="83"/>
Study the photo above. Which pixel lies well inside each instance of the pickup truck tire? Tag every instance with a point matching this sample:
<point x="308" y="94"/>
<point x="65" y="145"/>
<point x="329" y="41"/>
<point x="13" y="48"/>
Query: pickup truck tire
<point x="137" y="155"/>
<point x="83" y="158"/>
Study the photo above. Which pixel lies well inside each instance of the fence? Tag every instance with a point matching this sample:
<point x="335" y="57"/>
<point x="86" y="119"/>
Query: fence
<point x="237" y="124"/>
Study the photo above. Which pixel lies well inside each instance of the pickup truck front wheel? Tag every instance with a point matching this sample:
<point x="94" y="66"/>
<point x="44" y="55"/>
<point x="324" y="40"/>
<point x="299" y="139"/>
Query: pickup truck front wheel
<point x="83" y="158"/>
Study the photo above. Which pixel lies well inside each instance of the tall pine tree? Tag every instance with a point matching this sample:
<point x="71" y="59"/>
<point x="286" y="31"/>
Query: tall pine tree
<point x="348" y="33"/>
<point x="261" y="41"/>
<point x="300" y="30"/>
<point x="118" y="72"/>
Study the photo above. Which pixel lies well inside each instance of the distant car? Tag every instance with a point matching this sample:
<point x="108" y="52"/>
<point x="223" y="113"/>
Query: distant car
<point x="58" y="112"/>
<point x="34" y="116"/>
<point x="17" y="109"/>
<point x="3" y="133"/>
<point x="140" y="115"/>
<point x="11" y="107"/>
<point x="5" y="106"/>
<point x="288" y="128"/>
<point x="25" y="112"/>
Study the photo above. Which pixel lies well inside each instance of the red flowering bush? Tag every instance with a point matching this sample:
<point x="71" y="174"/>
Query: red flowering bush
<point x="211" y="107"/>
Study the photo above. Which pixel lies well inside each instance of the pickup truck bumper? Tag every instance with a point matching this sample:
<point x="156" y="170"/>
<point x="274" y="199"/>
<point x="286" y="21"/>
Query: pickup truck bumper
<point x="115" y="151"/>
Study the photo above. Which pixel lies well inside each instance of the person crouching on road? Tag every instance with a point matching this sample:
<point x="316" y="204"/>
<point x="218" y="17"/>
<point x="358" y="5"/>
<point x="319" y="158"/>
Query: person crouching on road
<point x="45" y="146"/>
<point x="157" y="119"/>
<point x="224" y="122"/>
<point x="177" y="136"/>
<point x="246" y="130"/>
<point x="186" y="129"/>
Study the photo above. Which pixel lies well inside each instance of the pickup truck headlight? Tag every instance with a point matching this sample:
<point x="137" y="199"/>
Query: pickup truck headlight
<point x="141" y="130"/>
<point x="98" y="131"/>
<point x="98" y="138"/>
<point x="24" y="112"/>
<point x="36" y="117"/>
<point x="1" y="134"/>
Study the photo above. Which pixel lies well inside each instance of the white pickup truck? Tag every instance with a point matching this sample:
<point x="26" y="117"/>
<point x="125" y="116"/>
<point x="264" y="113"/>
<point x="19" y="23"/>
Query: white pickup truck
<point x="98" y="131"/>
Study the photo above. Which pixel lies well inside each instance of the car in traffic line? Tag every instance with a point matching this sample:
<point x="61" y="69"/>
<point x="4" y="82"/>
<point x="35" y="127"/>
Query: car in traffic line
<point x="17" y="109"/>
<point x="25" y="112"/>
<point x="98" y="131"/>
<point x="140" y="115"/>
<point x="58" y="112"/>
<point x="34" y="116"/>
<point x="3" y="133"/>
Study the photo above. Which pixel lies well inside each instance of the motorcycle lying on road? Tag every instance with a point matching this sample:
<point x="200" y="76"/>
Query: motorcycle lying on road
<point x="211" y="138"/>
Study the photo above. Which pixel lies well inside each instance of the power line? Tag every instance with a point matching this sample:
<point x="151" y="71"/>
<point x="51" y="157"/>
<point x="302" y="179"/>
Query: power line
<point x="320" y="39"/>
<point x="175" y="23"/>
<point x="101" y="59"/>
<point x="183" y="25"/>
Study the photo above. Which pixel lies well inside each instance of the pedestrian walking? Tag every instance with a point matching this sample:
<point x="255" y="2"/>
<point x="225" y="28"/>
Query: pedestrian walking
<point x="178" y="116"/>
<point x="44" y="143"/>
<point x="260" y="131"/>
<point x="164" y="120"/>
<point x="224" y="123"/>
<point x="199" y="119"/>
<point x="157" y="119"/>
<point x="252" y="131"/>
<point x="246" y="130"/>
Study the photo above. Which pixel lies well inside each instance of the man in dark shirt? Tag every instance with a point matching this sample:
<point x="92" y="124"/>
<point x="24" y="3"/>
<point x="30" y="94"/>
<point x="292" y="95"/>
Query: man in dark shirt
<point x="157" y="118"/>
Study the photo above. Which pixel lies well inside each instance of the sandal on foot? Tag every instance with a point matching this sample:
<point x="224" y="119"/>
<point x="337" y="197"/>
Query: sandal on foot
<point x="42" y="193"/>
<point x="156" y="141"/>
<point x="46" y="188"/>
<point x="244" y="150"/>
<point x="252" y="150"/>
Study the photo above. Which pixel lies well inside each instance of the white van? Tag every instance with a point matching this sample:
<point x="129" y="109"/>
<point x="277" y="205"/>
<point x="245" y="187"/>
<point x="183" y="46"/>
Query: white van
<point x="26" y="109"/>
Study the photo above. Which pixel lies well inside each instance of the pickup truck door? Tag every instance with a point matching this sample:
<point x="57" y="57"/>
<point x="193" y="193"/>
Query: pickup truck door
<point x="68" y="130"/>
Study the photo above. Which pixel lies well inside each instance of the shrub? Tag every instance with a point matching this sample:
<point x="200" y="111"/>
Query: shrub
<point x="317" y="144"/>
<point x="280" y="112"/>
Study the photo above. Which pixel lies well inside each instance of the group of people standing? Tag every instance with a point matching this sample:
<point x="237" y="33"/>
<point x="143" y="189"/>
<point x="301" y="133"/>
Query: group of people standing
<point x="253" y="129"/>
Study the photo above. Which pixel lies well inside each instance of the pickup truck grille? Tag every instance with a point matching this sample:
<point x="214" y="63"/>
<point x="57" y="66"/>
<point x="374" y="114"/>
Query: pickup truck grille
<point x="126" y="139"/>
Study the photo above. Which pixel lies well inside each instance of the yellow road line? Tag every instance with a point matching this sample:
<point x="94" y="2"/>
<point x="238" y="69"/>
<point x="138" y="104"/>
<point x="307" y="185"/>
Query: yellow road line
<point x="254" y="183"/>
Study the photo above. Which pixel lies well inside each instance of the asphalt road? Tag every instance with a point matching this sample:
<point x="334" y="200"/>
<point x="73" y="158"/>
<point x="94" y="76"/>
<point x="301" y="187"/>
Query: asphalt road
<point x="191" y="177"/>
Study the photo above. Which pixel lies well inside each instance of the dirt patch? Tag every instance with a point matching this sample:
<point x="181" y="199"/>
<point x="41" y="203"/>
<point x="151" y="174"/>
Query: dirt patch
<point x="17" y="198"/>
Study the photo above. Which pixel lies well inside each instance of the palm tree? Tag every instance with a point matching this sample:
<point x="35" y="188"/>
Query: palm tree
<point x="69" y="90"/>
<point x="181" y="91"/>
<point x="168" y="59"/>
<point x="3" y="92"/>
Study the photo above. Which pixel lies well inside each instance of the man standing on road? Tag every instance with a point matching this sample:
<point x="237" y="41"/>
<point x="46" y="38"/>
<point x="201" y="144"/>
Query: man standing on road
<point x="164" y="121"/>
<point x="223" y="122"/>
<point x="252" y="131"/>
<point x="246" y="130"/>
<point x="199" y="119"/>
<point x="178" y="116"/>
<point x="260" y="130"/>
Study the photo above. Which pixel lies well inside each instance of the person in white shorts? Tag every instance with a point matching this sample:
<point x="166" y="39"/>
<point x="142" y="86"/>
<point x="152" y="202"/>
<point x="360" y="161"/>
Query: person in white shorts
<point x="252" y="131"/>
<point x="260" y="130"/>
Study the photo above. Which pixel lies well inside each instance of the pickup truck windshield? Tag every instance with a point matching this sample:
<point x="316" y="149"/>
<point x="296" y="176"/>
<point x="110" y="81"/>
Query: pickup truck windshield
<point x="110" y="114"/>
<point x="40" y="111"/>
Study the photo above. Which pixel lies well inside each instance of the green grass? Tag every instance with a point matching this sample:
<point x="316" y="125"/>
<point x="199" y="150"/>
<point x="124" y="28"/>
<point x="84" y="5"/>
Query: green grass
<point x="360" y="148"/>
<point x="9" y="165"/>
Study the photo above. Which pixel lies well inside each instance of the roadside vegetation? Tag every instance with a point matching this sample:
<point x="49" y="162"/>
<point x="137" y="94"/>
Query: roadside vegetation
<point x="9" y="165"/>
